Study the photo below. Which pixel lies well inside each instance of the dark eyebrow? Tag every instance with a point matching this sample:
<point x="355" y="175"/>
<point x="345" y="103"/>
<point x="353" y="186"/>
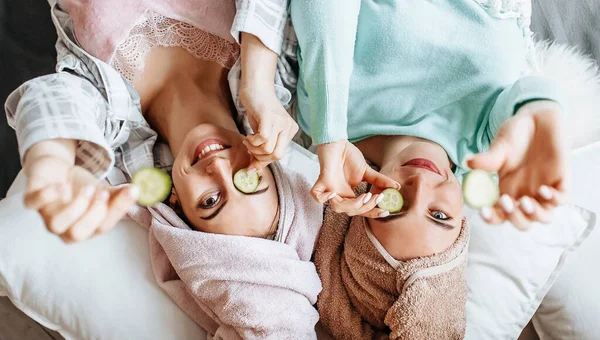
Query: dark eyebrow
<point x="213" y="215"/>
<point x="258" y="192"/>
<point x="441" y="224"/>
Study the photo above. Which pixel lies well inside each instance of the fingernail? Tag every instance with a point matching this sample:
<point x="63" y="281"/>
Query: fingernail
<point x="379" y="198"/>
<point x="251" y="171"/>
<point x="384" y="214"/>
<point x="486" y="213"/>
<point x="103" y="196"/>
<point x="133" y="192"/>
<point x="89" y="190"/>
<point x="466" y="160"/>
<point x="367" y="197"/>
<point x="545" y="192"/>
<point x="332" y="195"/>
<point x="507" y="204"/>
<point x="527" y="205"/>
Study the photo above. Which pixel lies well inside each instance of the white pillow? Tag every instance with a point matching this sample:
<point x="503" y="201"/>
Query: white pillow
<point x="571" y="309"/>
<point x="104" y="288"/>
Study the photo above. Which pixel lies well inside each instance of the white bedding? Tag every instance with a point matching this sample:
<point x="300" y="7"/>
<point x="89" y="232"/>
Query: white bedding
<point x="104" y="288"/>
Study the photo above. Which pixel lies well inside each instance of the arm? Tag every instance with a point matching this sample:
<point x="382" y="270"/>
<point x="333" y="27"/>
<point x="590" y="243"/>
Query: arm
<point x="326" y="31"/>
<point x="57" y="119"/>
<point x="273" y="128"/>
<point x="523" y="91"/>
<point x="61" y="106"/>
<point x="264" y="19"/>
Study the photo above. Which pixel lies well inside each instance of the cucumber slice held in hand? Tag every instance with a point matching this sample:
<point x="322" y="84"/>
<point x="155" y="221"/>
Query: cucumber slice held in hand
<point x="245" y="182"/>
<point x="154" y="185"/>
<point x="480" y="190"/>
<point x="392" y="200"/>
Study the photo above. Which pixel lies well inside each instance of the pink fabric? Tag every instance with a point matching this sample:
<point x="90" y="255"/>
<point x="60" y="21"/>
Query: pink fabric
<point x="100" y="25"/>
<point x="241" y="287"/>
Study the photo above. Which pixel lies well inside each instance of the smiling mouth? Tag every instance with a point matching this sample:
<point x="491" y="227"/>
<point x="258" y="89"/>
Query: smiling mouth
<point x="423" y="164"/>
<point x="208" y="148"/>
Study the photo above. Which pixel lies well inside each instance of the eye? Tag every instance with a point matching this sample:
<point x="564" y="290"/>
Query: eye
<point x="211" y="201"/>
<point x="440" y="215"/>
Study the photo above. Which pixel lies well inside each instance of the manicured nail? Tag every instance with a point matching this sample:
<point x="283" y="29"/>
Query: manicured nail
<point x="507" y="204"/>
<point x="527" y="205"/>
<point x="466" y="160"/>
<point x="89" y="190"/>
<point x="384" y="214"/>
<point x="251" y="171"/>
<point x="332" y="195"/>
<point x="486" y="213"/>
<point x="103" y="196"/>
<point x="133" y="191"/>
<point x="367" y="197"/>
<point x="379" y="198"/>
<point x="545" y="192"/>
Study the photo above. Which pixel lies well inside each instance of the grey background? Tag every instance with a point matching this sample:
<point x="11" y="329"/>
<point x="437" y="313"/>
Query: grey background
<point x="27" y="39"/>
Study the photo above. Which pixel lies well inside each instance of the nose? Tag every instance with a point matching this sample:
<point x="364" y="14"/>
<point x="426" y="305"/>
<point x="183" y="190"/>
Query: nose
<point x="220" y="169"/>
<point x="414" y="188"/>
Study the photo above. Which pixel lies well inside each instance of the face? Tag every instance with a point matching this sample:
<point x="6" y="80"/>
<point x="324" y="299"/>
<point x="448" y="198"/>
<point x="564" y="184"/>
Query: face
<point x="203" y="180"/>
<point x="431" y="218"/>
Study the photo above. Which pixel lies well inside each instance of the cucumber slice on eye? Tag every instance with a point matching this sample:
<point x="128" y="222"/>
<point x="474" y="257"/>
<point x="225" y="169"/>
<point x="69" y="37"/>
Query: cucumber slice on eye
<point x="480" y="190"/>
<point x="245" y="182"/>
<point x="392" y="200"/>
<point x="154" y="185"/>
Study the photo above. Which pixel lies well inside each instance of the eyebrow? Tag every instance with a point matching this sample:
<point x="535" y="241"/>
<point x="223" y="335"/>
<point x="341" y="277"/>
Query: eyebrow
<point x="437" y="223"/>
<point x="213" y="215"/>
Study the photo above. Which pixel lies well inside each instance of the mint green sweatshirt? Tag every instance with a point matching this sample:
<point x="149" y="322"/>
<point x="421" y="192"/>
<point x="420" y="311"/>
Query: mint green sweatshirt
<point x="443" y="70"/>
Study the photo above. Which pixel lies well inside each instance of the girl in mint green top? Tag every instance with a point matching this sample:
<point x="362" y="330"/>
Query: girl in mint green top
<point x="424" y="90"/>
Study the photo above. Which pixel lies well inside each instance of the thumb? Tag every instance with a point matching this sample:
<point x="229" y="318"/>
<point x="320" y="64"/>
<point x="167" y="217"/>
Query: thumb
<point x="492" y="160"/>
<point x="319" y="189"/>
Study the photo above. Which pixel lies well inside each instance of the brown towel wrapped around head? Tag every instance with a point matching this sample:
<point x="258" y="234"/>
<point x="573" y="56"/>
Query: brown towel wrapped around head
<point x="369" y="294"/>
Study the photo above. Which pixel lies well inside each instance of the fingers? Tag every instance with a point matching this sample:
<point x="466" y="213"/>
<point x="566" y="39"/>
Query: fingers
<point x="85" y="227"/>
<point x="59" y="221"/>
<point x="550" y="196"/>
<point x="118" y="206"/>
<point x="363" y="205"/>
<point x="50" y="194"/>
<point x="379" y="180"/>
<point x="492" y="160"/>
<point x="522" y="213"/>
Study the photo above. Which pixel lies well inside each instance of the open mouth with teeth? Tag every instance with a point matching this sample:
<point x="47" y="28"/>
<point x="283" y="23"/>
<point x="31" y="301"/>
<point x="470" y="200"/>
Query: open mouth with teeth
<point x="208" y="148"/>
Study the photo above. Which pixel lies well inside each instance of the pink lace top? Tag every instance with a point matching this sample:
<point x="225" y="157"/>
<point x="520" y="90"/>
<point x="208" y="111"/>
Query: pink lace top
<point x="154" y="29"/>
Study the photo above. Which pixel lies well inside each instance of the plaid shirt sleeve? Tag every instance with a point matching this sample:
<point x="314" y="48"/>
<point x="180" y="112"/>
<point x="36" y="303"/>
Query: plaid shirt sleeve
<point x="266" y="19"/>
<point x="63" y="105"/>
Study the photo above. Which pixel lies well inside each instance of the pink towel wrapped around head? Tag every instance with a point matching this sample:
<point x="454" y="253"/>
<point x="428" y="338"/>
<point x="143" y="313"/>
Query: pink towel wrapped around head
<point x="241" y="287"/>
<point x="367" y="294"/>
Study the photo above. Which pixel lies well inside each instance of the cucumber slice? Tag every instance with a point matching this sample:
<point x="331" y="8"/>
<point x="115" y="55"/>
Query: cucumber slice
<point x="154" y="185"/>
<point x="480" y="190"/>
<point x="245" y="182"/>
<point x="392" y="200"/>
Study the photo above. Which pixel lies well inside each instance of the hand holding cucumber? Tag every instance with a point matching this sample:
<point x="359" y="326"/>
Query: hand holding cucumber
<point x="343" y="168"/>
<point x="529" y="154"/>
<point x="72" y="203"/>
<point x="273" y="127"/>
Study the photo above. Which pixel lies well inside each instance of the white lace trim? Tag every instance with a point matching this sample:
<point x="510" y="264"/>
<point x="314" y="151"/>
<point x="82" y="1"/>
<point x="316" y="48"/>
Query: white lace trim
<point x="521" y="10"/>
<point x="154" y="29"/>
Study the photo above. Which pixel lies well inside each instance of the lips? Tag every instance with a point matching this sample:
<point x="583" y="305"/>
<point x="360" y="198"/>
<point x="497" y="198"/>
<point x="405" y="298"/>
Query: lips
<point x="423" y="164"/>
<point x="208" y="148"/>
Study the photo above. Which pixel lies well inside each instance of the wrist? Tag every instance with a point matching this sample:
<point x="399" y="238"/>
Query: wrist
<point x="63" y="149"/>
<point x="259" y="63"/>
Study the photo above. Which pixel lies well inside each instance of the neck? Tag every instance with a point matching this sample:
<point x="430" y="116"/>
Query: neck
<point x="184" y="102"/>
<point x="383" y="149"/>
